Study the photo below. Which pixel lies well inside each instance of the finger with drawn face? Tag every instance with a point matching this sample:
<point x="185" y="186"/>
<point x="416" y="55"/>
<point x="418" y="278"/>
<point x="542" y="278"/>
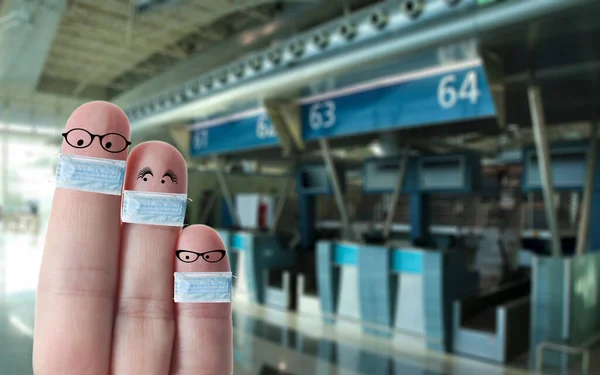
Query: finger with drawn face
<point x="144" y="323"/>
<point x="203" y="340"/>
<point x="78" y="276"/>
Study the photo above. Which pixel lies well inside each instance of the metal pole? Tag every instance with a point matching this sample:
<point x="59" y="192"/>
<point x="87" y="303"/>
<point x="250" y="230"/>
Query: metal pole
<point x="543" y="154"/>
<point x="226" y="192"/>
<point x="584" y="224"/>
<point x="285" y="192"/>
<point x="5" y="157"/>
<point x="337" y="191"/>
<point x="205" y="214"/>
<point x="396" y="195"/>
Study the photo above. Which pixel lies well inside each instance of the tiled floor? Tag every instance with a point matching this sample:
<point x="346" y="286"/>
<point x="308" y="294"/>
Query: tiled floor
<point x="265" y="341"/>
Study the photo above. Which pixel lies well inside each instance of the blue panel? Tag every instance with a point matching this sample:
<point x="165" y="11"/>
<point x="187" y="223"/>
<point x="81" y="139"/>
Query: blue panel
<point x="345" y="254"/>
<point x="548" y="313"/>
<point x="238" y="134"/>
<point x="380" y="175"/>
<point x="568" y="167"/>
<point x="375" y="288"/>
<point x="445" y="279"/>
<point x="401" y="102"/>
<point x="238" y="242"/>
<point x="407" y="261"/>
<point x="313" y="179"/>
<point x="328" y="280"/>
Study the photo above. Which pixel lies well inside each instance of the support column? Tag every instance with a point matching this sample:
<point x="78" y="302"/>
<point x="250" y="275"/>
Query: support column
<point x="283" y="195"/>
<point x="226" y="192"/>
<point x="387" y="228"/>
<point x="419" y="216"/>
<point x="543" y="156"/>
<point x="308" y="217"/>
<point x="347" y="232"/>
<point x="5" y="156"/>
<point x="584" y="221"/>
<point x="594" y="235"/>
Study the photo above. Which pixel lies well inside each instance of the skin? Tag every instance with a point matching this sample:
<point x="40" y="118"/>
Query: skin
<point x="105" y="293"/>
<point x="198" y="322"/>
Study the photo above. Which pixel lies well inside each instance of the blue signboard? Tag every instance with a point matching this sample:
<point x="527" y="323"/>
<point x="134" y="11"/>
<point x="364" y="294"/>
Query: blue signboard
<point x="242" y="132"/>
<point x="434" y="96"/>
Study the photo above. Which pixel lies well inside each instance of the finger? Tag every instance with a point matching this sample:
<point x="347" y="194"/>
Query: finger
<point x="144" y="323"/>
<point x="78" y="275"/>
<point x="203" y="340"/>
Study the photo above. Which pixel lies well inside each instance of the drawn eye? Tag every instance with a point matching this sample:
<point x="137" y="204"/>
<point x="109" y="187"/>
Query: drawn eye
<point x="187" y="256"/>
<point x="171" y="175"/>
<point x="214" y="256"/>
<point x="78" y="138"/>
<point x="113" y="142"/>
<point x="143" y="174"/>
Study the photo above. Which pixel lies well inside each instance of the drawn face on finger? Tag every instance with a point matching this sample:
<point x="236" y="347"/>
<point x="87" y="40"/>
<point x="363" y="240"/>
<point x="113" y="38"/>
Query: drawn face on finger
<point x="97" y="129"/>
<point x="156" y="167"/>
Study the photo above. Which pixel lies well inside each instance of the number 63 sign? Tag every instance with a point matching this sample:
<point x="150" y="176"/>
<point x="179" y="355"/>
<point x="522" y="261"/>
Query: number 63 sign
<point x="322" y="115"/>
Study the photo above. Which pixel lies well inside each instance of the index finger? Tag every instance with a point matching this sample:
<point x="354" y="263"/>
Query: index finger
<point x="78" y="275"/>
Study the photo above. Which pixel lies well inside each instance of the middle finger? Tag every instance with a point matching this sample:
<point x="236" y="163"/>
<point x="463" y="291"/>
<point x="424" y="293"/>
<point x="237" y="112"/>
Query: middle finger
<point x="144" y="324"/>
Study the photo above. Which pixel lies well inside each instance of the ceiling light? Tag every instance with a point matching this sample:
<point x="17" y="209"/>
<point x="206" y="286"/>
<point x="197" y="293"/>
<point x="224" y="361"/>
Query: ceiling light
<point x="208" y="83"/>
<point x="378" y="19"/>
<point x="238" y="70"/>
<point x="255" y="63"/>
<point x="275" y="56"/>
<point x="320" y="40"/>
<point x="297" y="48"/>
<point x="192" y="90"/>
<point x="347" y="30"/>
<point x="375" y="148"/>
<point x="223" y="77"/>
<point x="413" y="8"/>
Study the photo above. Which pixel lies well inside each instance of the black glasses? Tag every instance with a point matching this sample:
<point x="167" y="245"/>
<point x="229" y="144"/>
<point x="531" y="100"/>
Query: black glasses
<point x="212" y="256"/>
<point x="81" y="138"/>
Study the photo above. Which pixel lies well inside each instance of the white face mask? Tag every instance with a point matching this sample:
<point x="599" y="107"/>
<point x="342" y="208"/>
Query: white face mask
<point x="141" y="207"/>
<point x="95" y="175"/>
<point x="202" y="287"/>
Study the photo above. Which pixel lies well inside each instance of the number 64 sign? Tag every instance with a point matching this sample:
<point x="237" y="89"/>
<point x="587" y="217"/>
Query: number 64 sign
<point x="448" y="95"/>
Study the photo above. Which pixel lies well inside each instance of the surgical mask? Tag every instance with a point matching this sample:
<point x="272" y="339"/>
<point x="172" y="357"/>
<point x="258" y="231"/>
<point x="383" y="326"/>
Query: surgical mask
<point x="202" y="287"/>
<point x="141" y="207"/>
<point x="94" y="175"/>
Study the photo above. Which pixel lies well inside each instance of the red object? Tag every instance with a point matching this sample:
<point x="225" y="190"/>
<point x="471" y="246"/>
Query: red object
<point x="262" y="216"/>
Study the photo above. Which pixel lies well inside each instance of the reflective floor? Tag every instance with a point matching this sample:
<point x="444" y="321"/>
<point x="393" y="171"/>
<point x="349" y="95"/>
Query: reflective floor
<point x="266" y="341"/>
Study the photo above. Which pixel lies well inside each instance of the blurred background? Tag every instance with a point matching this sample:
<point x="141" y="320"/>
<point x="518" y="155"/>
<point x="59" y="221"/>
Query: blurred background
<point x="404" y="186"/>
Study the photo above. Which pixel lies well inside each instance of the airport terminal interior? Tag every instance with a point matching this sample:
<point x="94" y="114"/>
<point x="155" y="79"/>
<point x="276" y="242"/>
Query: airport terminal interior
<point x="402" y="186"/>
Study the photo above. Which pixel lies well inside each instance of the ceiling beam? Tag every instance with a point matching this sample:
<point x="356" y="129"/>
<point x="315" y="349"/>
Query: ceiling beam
<point x="114" y="40"/>
<point x="166" y="29"/>
<point x="25" y="48"/>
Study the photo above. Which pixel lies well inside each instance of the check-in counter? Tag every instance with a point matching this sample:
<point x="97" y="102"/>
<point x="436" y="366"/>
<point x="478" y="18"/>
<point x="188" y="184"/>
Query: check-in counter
<point x="258" y="256"/>
<point x="494" y="325"/>
<point x="308" y="302"/>
<point x="393" y="290"/>
<point x="564" y="306"/>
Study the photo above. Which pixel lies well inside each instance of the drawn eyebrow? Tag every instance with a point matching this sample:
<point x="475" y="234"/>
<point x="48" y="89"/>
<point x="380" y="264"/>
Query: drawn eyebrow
<point x="171" y="175"/>
<point x="144" y="172"/>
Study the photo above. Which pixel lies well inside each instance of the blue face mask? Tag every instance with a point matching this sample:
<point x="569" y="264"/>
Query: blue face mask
<point x="202" y="287"/>
<point x="141" y="207"/>
<point x="94" y="175"/>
